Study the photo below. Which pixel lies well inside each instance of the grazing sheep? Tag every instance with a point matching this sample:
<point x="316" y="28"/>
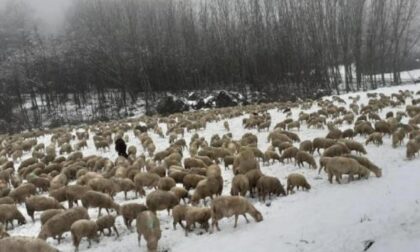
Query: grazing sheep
<point x="342" y="165"/>
<point x="148" y="225"/>
<point x="376" y="138"/>
<point x="398" y="137"/>
<point x="40" y="203"/>
<point x="48" y="214"/>
<point x="206" y="188"/>
<point x="227" y="206"/>
<point x="245" y="162"/>
<point x="268" y="185"/>
<point x="322" y="143"/>
<point x="253" y="177"/>
<point x="199" y="215"/>
<point x="412" y="149"/>
<point x="145" y="179"/>
<point x="303" y="156"/>
<point x="354" y="146"/>
<point x="366" y="163"/>
<point x="106" y="222"/>
<point x="22" y="192"/>
<point x="25" y="244"/>
<point x="8" y="213"/>
<point x="297" y="180"/>
<point x="166" y="183"/>
<point x="336" y="150"/>
<point x="240" y="185"/>
<point x="100" y="200"/>
<point x="161" y="200"/>
<point x="73" y="193"/>
<point x="103" y="185"/>
<point x="307" y="146"/>
<point x="84" y="228"/>
<point x="194" y="162"/>
<point x="6" y="200"/>
<point x="271" y="155"/>
<point x="58" y="194"/>
<point x="180" y="193"/>
<point x="192" y="180"/>
<point x="178" y="215"/>
<point x="289" y="153"/>
<point x="130" y="211"/>
<point x="60" y="223"/>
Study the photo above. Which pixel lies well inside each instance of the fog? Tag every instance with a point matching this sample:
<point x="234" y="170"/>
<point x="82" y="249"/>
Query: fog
<point x="49" y="13"/>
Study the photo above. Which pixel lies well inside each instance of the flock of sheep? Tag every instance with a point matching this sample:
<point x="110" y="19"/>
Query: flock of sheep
<point x="62" y="184"/>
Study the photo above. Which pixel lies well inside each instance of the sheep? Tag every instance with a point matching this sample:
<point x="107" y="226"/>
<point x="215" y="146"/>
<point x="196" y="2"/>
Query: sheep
<point x="228" y="160"/>
<point x="25" y="244"/>
<point x="60" y="223"/>
<point x="160" y="200"/>
<point x="253" y="177"/>
<point x="40" y="183"/>
<point x="84" y="228"/>
<point x="180" y="193"/>
<point x="398" y="137"/>
<point x="245" y="162"/>
<point x="107" y="222"/>
<point x="178" y="215"/>
<point x="337" y="149"/>
<point x="8" y="213"/>
<point x="22" y="192"/>
<point x="199" y="215"/>
<point x="413" y="148"/>
<point x="145" y="179"/>
<point x="354" y="146"/>
<point x="48" y="214"/>
<point x="130" y="211"/>
<point x="297" y="180"/>
<point x="240" y="185"/>
<point x="303" y="156"/>
<point x="342" y="165"/>
<point x="166" y="183"/>
<point x="366" y="163"/>
<point x="348" y="133"/>
<point x="100" y="200"/>
<point x="307" y="146"/>
<point x="375" y="137"/>
<point x="226" y="125"/>
<point x="322" y="143"/>
<point x="227" y="206"/>
<point x="191" y="181"/>
<point x="40" y="203"/>
<point x="194" y="162"/>
<point x="206" y="188"/>
<point x="148" y="225"/>
<point x="323" y="162"/>
<point x="289" y="153"/>
<point x="6" y="200"/>
<point x="73" y="193"/>
<point x="103" y="185"/>
<point x="271" y="155"/>
<point x="58" y="194"/>
<point x="292" y="125"/>
<point x="268" y="185"/>
<point x="125" y="185"/>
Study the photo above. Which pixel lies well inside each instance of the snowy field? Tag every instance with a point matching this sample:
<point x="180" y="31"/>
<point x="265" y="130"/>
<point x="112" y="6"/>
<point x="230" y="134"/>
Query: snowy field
<point x="330" y="217"/>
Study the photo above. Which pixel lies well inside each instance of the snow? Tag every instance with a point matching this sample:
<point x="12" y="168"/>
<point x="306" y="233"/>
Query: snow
<point x="330" y="217"/>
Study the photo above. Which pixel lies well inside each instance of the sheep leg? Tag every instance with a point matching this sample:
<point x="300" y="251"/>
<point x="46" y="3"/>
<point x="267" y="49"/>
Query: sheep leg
<point x="139" y="238"/>
<point x="109" y="232"/>
<point x="236" y="221"/>
<point x="99" y="213"/>
<point x="330" y="177"/>
<point x="116" y="231"/>
<point x="107" y="210"/>
<point x="125" y="195"/>
<point x="90" y="243"/>
<point x="244" y="215"/>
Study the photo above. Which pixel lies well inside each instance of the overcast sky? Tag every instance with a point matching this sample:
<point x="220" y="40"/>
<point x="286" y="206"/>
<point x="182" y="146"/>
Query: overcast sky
<point x="49" y="12"/>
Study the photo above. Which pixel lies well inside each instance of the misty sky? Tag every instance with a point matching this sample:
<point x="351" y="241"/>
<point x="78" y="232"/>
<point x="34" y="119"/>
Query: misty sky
<point x="49" y="12"/>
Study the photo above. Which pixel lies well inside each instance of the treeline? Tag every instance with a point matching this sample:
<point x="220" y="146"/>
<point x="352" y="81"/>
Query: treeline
<point x="137" y="48"/>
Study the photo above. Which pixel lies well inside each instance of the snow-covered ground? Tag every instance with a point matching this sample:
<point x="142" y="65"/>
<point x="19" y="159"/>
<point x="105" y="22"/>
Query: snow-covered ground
<point x="330" y="217"/>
